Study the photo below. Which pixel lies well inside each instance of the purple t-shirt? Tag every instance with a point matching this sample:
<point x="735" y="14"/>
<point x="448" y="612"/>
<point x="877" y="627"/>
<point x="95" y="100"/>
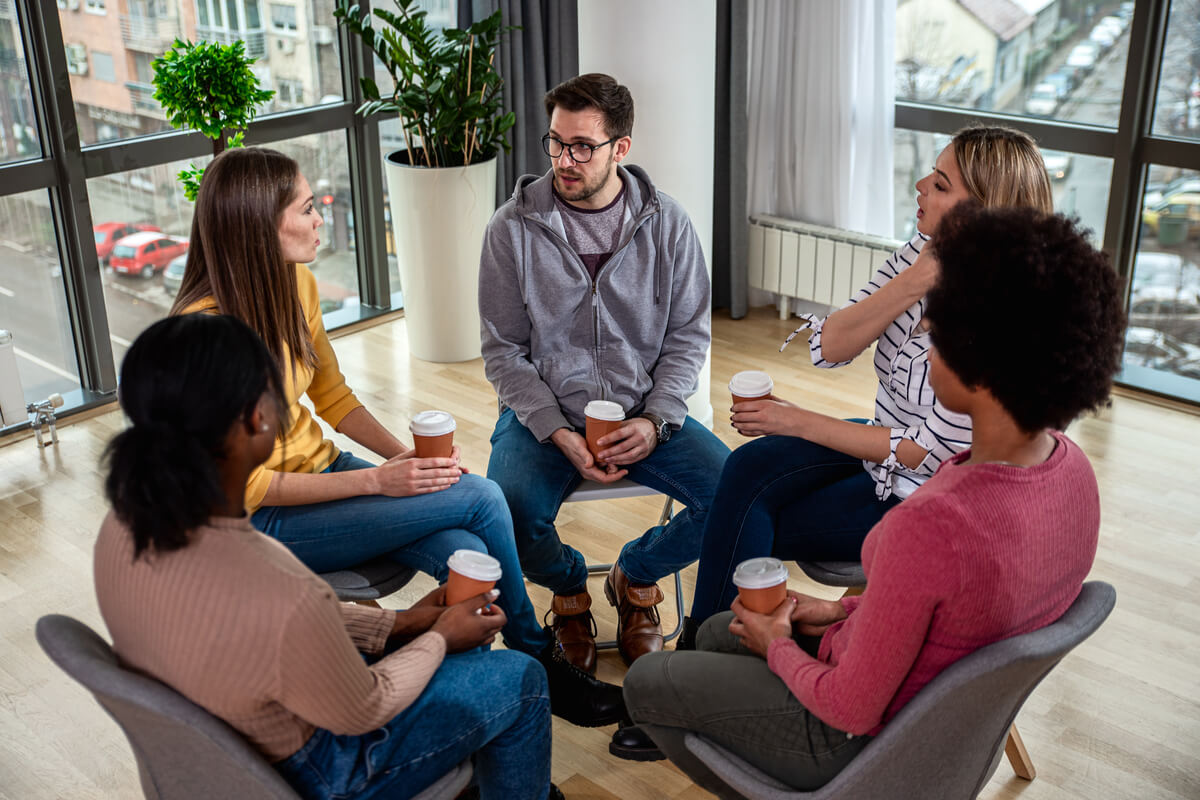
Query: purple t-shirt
<point x="593" y="234"/>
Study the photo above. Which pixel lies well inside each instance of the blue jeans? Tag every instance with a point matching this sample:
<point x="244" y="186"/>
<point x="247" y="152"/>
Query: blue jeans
<point x="494" y="705"/>
<point x="537" y="477"/>
<point x="420" y="531"/>
<point x="787" y="497"/>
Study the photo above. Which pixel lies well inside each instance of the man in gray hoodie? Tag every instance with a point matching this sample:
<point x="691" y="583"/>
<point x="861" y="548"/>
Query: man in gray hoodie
<point x="592" y="286"/>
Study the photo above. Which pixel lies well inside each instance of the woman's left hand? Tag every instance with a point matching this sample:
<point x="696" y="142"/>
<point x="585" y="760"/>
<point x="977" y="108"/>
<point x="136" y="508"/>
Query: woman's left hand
<point x="765" y="417"/>
<point x="412" y="453"/>
<point x="421" y="616"/>
<point x="757" y="631"/>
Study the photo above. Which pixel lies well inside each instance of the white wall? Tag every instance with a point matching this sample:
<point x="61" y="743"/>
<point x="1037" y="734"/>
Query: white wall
<point x="665" y="52"/>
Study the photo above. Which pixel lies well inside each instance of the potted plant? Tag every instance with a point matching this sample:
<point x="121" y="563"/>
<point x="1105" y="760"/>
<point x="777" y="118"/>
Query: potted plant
<point x="446" y="92"/>
<point x="210" y="88"/>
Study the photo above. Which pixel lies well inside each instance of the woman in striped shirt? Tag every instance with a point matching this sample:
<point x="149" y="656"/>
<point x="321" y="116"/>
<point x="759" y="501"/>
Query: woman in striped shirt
<point x="813" y="486"/>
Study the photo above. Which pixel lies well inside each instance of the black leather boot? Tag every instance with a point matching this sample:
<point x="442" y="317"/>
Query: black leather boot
<point x="686" y="640"/>
<point x="631" y="743"/>
<point x="576" y="696"/>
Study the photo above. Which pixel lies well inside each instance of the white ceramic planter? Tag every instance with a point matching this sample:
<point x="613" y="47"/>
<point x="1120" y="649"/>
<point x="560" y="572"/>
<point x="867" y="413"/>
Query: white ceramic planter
<point x="438" y="220"/>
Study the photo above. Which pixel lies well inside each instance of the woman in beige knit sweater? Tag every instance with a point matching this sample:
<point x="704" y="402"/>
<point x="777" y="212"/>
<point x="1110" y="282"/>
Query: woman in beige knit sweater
<point x="193" y="595"/>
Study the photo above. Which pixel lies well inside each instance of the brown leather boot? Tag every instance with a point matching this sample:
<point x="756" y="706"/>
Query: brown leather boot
<point x="638" y="628"/>
<point x="575" y="629"/>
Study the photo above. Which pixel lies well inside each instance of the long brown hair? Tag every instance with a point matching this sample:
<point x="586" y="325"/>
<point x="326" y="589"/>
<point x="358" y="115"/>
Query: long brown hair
<point x="235" y="256"/>
<point x="1002" y="167"/>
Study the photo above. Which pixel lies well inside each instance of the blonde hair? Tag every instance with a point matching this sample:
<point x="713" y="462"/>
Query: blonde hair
<point x="1002" y="167"/>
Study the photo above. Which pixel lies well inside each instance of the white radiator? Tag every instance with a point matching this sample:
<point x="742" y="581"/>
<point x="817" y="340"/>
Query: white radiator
<point x="811" y="262"/>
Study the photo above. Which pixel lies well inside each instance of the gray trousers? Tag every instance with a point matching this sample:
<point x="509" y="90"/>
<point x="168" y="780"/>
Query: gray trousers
<point x="728" y="695"/>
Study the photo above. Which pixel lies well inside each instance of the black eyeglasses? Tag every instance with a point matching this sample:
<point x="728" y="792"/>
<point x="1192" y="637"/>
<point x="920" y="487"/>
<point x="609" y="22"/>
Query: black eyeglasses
<point x="581" y="152"/>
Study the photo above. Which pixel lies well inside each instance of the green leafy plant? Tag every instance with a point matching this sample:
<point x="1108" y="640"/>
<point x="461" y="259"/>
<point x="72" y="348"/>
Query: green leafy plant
<point x="445" y="88"/>
<point x="210" y="88"/>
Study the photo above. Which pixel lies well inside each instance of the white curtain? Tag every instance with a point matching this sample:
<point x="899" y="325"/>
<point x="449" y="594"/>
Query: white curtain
<point x="821" y="94"/>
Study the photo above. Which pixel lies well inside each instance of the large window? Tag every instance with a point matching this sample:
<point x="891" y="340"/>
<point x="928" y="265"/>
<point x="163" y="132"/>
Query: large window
<point x="1060" y="70"/>
<point x="296" y="56"/>
<point x="18" y="131"/>
<point x="32" y="300"/>
<point x="94" y="228"/>
<point x="1046" y="58"/>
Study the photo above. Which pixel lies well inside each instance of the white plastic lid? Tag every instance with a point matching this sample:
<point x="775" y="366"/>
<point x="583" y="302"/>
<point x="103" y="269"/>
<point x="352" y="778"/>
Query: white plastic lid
<point x="760" y="573"/>
<point x="432" y="423"/>
<point x="475" y="565"/>
<point x="751" y="383"/>
<point x="604" y="409"/>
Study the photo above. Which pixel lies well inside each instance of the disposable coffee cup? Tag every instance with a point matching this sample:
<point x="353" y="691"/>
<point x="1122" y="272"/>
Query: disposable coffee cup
<point x="603" y="417"/>
<point x="750" y="385"/>
<point x="762" y="584"/>
<point x="433" y="434"/>
<point x="471" y="573"/>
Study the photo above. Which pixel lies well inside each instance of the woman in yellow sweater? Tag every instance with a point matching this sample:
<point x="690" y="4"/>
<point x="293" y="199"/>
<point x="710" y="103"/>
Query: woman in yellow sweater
<point x="197" y="598"/>
<point x="254" y="229"/>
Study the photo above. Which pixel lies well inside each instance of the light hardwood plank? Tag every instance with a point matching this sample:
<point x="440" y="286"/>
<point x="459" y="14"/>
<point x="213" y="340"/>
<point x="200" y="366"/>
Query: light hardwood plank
<point x="1119" y="718"/>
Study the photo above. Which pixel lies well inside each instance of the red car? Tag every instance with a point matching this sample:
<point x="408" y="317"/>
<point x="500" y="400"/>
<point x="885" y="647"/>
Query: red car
<point x="146" y="253"/>
<point x="107" y="234"/>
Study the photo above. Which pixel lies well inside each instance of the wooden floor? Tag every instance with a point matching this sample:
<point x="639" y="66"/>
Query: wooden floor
<point x="1120" y="718"/>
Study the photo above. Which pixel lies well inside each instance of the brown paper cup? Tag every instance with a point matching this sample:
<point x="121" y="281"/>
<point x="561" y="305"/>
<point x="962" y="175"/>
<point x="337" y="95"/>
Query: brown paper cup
<point x="737" y="399"/>
<point x="459" y="587"/>
<point x="597" y="428"/>
<point x="763" y="601"/>
<point x="434" y="446"/>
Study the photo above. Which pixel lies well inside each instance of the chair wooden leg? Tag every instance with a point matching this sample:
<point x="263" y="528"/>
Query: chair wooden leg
<point x="368" y="603"/>
<point x="1018" y="756"/>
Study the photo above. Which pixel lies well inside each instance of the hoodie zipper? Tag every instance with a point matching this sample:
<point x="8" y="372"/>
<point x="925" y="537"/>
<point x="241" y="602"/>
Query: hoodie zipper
<point x="564" y="244"/>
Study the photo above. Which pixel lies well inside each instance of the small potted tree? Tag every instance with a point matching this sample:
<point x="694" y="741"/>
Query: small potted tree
<point x="210" y="88"/>
<point x="446" y="92"/>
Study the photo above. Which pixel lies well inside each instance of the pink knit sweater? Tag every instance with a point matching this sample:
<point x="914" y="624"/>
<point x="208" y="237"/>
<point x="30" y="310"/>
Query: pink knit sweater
<point x="980" y="553"/>
<point x="239" y="626"/>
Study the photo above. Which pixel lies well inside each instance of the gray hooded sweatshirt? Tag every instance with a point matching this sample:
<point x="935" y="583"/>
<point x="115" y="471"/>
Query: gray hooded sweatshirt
<point x="553" y="339"/>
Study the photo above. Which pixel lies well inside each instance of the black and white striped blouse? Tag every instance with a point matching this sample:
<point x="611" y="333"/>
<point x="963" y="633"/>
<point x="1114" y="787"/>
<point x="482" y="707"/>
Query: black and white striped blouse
<point x="905" y="401"/>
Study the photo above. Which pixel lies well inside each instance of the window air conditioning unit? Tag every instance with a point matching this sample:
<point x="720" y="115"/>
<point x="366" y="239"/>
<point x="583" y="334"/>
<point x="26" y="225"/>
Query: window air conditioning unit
<point x="285" y="46"/>
<point x="77" y="59"/>
<point x="321" y="34"/>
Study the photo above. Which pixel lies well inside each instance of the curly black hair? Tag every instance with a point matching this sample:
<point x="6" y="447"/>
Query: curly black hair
<point x="1027" y="309"/>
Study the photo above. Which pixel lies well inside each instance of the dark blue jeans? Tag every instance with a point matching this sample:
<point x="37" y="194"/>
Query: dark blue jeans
<point x="537" y="477"/>
<point x="494" y="705"/>
<point x="786" y="497"/>
<point x="420" y="531"/>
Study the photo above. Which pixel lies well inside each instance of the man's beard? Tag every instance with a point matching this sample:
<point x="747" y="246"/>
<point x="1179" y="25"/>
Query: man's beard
<point x="584" y="189"/>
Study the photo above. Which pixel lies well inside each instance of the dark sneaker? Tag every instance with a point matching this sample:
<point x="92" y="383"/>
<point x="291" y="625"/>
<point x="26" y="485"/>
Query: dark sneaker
<point x="576" y="696"/>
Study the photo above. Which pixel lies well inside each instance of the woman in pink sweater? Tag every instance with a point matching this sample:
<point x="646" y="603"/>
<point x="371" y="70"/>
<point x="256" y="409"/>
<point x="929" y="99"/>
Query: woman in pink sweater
<point x="194" y="596"/>
<point x="1026" y="321"/>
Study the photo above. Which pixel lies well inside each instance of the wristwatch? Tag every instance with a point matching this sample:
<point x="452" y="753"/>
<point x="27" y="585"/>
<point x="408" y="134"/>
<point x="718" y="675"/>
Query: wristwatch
<point x="660" y="426"/>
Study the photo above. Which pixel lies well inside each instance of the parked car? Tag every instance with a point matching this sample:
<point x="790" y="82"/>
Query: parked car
<point x="1103" y="36"/>
<point x="146" y="253"/>
<point x="1043" y="100"/>
<point x="1058" y="164"/>
<point x="1062" y="81"/>
<point x="1148" y="347"/>
<point x="1185" y="204"/>
<point x="1084" y="56"/>
<point x="173" y="274"/>
<point x="106" y="235"/>
<point x="1155" y="271"/>
<point x="1114" y="23"/>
